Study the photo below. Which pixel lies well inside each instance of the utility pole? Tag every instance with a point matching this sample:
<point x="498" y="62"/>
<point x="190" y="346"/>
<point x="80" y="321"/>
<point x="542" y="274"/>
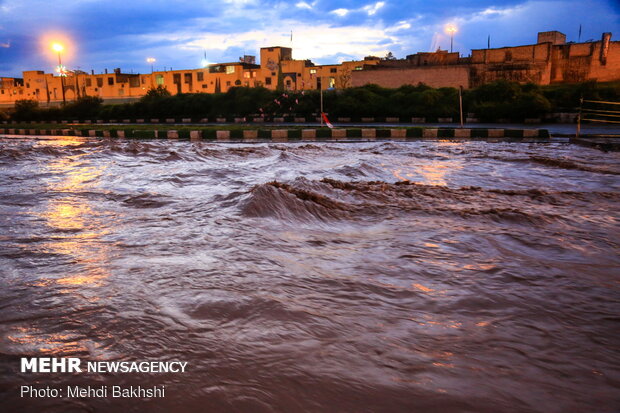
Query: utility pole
<point x="461" y="103"/>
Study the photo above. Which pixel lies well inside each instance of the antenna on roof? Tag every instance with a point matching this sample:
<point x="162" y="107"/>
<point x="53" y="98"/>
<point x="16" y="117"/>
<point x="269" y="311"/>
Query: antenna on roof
<point x="579" y="38"/>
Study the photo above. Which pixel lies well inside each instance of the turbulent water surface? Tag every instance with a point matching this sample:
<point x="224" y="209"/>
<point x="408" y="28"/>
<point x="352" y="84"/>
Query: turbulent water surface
<point x="369" y="277"/>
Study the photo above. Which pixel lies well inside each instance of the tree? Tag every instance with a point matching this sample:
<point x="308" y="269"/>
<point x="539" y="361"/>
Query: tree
<point x="389" y="56"/>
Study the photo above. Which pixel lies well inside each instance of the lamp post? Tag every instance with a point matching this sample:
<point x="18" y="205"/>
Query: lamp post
<point x="59" y="48"/>
<point x="451" y="29"/>
<point x="151" y="60"/>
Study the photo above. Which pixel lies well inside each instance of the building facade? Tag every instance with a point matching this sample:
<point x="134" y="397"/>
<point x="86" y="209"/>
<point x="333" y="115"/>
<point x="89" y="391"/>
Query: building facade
<point x="551" y="60"/>
<point x="277" y="70"/>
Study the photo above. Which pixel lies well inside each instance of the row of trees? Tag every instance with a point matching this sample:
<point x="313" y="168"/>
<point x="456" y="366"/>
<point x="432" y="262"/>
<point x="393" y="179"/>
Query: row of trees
<point x="499" y="100"/>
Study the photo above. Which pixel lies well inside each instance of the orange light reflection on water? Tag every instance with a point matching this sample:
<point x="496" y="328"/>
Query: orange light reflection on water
<point x="78" y="227"/>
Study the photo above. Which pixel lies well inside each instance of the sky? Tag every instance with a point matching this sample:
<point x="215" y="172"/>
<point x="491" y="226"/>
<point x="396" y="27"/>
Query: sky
<point x="110" y="34"/>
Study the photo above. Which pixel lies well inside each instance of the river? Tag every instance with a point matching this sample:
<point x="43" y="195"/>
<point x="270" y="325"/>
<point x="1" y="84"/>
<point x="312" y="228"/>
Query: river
<point x="313" y="277"/>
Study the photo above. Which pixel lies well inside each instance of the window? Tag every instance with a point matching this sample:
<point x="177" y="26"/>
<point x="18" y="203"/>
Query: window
<point x="273" y="73"/>
<point x="313" y="71"/>
<point x="237" y="82"/>
<point x="143" y="80"/>
<point x="228" y="83"/>
<point x="134" y="81"/>
<point x="28" y="85"/>
<point x="332" y="82"/>
<point x="230" y="69"/>
<point x="176" y="78"/>
<point x="267" y="80"/>
<point x="110" y="81"/>
<point x="187" y="78"/>
<point x="89" y="82"/>
<point x="200" y="76"/>
<point x="205" y="86"/>
<point x="288" y="82"/>
<point x="333" y="70"/>
<point x="246" y="75"/>
<point x="253" y="74"/>
<point x="359" y="68"/>
<point x="99" y="82"/>
<point x="159" y="79"/>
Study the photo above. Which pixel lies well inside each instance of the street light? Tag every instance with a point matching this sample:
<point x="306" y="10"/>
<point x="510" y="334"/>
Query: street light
<point x="451" y="29"/>
<point x="151" y="60"/>
<point x="57" y="47"/>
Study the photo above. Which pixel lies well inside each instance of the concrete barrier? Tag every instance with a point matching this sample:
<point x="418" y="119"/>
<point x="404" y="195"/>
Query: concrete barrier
<point x="308" y="134"/>
<point x="339" y="134"/>
<point x="370" y="134"/>
<point x="250" y="135"/>
<point x="429" y="133"/>
<point x="462" y="133"/>
<point x="222" y="135"/>
<point x="279" y="135"/>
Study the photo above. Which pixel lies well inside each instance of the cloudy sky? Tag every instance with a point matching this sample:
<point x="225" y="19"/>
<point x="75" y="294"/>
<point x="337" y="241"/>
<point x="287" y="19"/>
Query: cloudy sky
<point x="179" y="34"/>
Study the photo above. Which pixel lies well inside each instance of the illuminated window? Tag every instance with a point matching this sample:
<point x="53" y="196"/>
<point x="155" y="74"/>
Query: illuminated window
<point x="359" y="68"/>
<point x="246" y="75"/>
<point x="313" y="71"/>
<point x="332" y="82"/>
<point x="230" y="69"/>
<point x="159" y="79"/>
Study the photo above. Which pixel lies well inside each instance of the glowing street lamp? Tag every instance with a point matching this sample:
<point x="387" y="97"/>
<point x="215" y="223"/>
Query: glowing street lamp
<point x="451" y="29"/>
<point x="151" y="60"/>
<point x="57" y="47"/>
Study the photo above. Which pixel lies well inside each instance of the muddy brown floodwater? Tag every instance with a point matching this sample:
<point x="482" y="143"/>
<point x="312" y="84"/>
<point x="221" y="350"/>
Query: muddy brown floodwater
<point x="368" y="277"/>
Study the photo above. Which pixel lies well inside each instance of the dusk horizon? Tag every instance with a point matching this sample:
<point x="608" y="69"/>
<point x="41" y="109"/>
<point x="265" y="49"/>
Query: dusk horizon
<point x="188" y="36"/>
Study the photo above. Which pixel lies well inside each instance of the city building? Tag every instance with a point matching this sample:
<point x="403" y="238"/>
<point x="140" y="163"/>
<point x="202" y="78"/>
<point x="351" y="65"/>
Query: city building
<point x="550" y="60"/>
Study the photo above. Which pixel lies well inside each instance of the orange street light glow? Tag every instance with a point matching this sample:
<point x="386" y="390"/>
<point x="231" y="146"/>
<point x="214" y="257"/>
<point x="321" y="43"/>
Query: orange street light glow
<point x="451" y="29"/>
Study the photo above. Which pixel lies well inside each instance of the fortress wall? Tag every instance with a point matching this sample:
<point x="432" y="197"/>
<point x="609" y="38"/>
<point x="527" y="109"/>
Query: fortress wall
<point x="434" y="76"/>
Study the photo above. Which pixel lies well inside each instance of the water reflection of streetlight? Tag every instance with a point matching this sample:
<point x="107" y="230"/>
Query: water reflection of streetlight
<point x="57" y="47"/>
<point x="451" y="29"/>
